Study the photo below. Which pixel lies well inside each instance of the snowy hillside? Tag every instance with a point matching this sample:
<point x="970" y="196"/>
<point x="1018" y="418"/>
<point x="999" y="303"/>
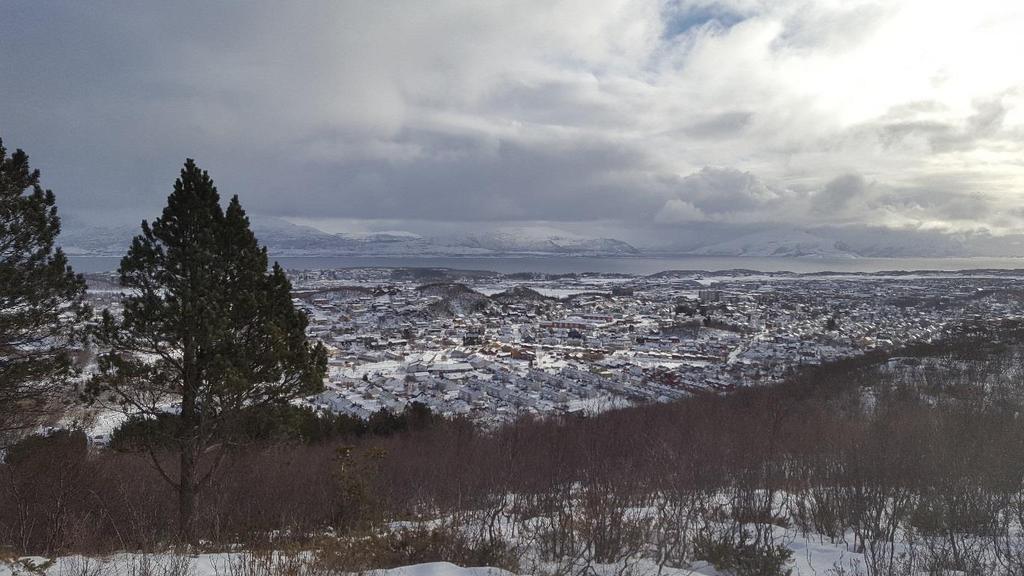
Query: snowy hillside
<point x="81" y="239"/>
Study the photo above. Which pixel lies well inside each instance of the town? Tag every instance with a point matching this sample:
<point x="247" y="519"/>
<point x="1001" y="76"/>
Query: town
<point x="492" y="347"/>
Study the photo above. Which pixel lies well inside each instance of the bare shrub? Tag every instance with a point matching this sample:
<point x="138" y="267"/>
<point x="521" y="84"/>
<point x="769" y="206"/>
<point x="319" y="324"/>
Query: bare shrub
<point x="156" y="565"/>
<point x="270" y="563"/>
<point x="82" y="566"/>
<point x="416" y="544"/>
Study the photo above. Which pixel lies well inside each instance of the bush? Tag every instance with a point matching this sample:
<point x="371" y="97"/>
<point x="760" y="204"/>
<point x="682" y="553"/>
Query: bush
<point x="62" y="444"/>
<point x="417" y="544"/>
<point x="741" y="557"/>
<point x="278" y="423"/>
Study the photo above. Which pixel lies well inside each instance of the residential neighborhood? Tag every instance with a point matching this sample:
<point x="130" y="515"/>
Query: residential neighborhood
<point x="492" y="347"/>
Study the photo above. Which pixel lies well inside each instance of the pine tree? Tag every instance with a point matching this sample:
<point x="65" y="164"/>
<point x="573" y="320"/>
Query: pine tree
<point x="41" y="299"/>
<point x="206" y="327"/>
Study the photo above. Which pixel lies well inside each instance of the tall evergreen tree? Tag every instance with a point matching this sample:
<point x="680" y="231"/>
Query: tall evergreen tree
<point x="206" y="327"/>
<point x="41" y="298"/>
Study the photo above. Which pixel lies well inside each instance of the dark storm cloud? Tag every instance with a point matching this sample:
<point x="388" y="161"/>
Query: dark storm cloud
<point x="479" y="180"/>
<point x="839" y="193"/>
<point x="726" y="195"/>
<point x="575" y="101"/>
<point x="719" y="125"/>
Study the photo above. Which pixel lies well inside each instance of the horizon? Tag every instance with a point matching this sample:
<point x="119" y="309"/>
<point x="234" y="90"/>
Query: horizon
<point x="633" y="266"/>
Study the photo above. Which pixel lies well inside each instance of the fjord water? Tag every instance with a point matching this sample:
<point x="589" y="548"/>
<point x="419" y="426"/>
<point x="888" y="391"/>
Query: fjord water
<point x="613" y="265"/>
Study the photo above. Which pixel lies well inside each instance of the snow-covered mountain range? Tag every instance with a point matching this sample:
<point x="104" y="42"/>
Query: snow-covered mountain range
<point x="533" y="241"/>
<point x="865" y="242"/>
<point x="785" y="243"/>
<point x="284" y="238"/>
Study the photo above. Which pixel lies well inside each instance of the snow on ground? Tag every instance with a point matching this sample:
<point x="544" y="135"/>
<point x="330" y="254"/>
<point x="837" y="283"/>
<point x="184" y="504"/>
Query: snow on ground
<point x="544" y="290"/>
<point x="812" y="556"/>
<point x="199" y="565"/>
<point x="549" y="362"/>
<point x="383" y="367"/>
<point x="564" y="292"/>
<point x="442" y="569"/>
<point x="97" y="423"/>
<point x="592" y="406"/>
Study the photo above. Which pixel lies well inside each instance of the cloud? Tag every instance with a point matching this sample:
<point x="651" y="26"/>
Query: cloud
<point x="724" y="124"/>
<point x="985" y="122"/>
<point x="676" y="211"/>
<point x="652" y="115"/>
<point x="839" y="194"/>
<point x="725" y="195"/>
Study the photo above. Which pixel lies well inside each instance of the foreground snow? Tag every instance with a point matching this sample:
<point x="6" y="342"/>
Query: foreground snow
<point x="811" y="558"/>
<point x="442" y="569"/>
<point x="199" y="565"/>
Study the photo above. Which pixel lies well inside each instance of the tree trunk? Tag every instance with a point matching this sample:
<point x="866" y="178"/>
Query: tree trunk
<point x="189" y="444"/>
<point x="187" y="494"/>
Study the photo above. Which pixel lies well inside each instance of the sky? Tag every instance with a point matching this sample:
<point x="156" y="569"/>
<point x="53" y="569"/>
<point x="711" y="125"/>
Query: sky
<point x="646" y="120"/>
